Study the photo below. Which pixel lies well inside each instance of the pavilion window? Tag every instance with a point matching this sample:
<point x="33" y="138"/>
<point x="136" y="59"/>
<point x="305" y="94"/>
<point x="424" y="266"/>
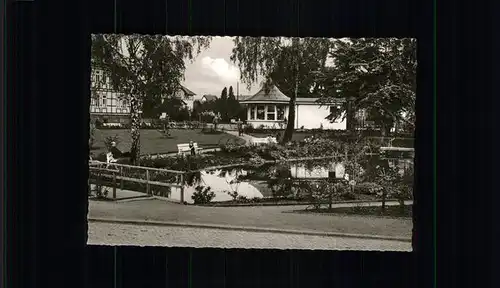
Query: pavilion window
<point x="252" y="112"/>
<point x="280" y="109"/>
<point x="261" y="112"/>
<point x="271" y="112"/>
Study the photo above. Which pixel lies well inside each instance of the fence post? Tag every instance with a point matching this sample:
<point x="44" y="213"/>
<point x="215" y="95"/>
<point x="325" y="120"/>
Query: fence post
<point x="182" y="188"/>
<point x="121" y="180"/>
<point x="114" y="185"/>
<point x="147" y="182"/>
<point x="99" y="186"/>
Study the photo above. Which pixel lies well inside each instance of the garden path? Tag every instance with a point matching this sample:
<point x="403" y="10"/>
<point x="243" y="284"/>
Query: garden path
<point x="246" y="137"/>
<point x="263" y="217"/>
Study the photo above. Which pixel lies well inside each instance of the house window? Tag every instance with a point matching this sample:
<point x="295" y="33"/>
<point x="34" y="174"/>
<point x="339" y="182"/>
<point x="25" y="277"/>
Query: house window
<point x="271" y="112"/>
<point x="281" y="112"/>
<point x="252" y="112"/>
<point x="104" y="100"/>
<point x="261" y="112"/>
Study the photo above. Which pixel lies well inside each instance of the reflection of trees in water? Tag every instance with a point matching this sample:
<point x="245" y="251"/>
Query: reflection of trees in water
<point x="192" y="178"/>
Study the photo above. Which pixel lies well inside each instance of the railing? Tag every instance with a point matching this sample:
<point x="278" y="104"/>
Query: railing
<point x="153" y="181"/>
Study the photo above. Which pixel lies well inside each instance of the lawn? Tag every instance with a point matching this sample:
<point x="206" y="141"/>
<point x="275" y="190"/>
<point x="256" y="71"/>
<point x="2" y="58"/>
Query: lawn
<point x="153" y="141"/>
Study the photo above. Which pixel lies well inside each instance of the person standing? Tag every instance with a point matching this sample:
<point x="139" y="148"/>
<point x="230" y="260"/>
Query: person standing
<point x="192" y="148"/>
<point x="240" y="127"/>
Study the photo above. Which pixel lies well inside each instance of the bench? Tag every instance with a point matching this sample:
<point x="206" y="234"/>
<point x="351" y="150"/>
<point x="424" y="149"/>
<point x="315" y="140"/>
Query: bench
<point x="267" y="140"/>
<point x="184" y="148"/>
<point x="112" y="124"/>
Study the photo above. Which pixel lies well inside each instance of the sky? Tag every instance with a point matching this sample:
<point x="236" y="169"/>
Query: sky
<point x="212" y="70"/>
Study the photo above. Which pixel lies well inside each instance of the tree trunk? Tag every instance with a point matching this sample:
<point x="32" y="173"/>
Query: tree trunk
<point x="135" y="131"/>
<point x="350" y="117"/>
<point x="290" y="126"/>
<point x="385" y="131"/>
<point x="384" y="193"/>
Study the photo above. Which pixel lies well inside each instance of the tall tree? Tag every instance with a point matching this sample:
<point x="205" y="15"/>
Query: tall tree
<point x="223" y="94"/>
<point x="380" y="74"/>
<point x="286" y="62"/>
<point x="144" y="67"/>
<point x="222" y="106"/>
<point x="231" y="93"/>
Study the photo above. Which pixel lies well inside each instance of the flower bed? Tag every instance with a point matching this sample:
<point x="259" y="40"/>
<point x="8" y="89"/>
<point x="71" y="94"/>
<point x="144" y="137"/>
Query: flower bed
<point x="397" y="211"/>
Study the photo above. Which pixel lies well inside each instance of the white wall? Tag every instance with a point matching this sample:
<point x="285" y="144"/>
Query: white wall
<point x="312" y="116"/>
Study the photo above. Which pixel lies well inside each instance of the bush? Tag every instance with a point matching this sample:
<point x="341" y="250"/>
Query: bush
<point x="203" y="195"/>
<point x="92" y="135"/>
<point x="367" y="188"/>
<point x="348" y="196"/>
<point x="110" y="139"/>
<point x="327" y="192"/>
<point x="98" y="123"/>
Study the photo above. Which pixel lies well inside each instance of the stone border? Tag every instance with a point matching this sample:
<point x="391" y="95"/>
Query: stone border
<point x="222" y="204"/>
<point x="249" y="229"/>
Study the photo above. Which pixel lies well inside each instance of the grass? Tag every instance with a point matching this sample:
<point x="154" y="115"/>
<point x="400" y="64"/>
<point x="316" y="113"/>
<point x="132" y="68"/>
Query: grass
<point x="390" y="211"/>
<point x="153" y="141"/>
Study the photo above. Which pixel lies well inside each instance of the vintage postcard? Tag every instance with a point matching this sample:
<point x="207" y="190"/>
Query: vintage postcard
<point x="243" y="142"/>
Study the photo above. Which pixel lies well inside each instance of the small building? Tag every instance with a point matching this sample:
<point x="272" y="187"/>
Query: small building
<point x="208" y="98"/>
<point x="271" y="109"/>
<point x="106" y="103"/>
<point x="186" y="95"/>
<point x="113" y="106"/>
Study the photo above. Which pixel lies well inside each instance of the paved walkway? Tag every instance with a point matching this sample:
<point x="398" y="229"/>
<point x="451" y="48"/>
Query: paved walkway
<point x="126" y="234"/>
<point x="271" y="217"/>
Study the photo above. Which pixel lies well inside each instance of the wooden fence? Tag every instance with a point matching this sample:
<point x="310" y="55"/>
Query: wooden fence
<point x="121" y="175"/>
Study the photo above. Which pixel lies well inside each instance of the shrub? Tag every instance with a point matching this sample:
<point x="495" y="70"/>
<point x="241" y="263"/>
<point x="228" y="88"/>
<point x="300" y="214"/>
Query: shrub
<point x="233" y="195"/>
<point x="367" y="188"/>
<point x="92" y="135"/>
<point x="101" y="157"/>
<point x="98" y="123"/>
<point x="348" y="196"/>
<point x="110" y="139"/>
<point x="328" y="191"/>
<point x="203" y="195"/>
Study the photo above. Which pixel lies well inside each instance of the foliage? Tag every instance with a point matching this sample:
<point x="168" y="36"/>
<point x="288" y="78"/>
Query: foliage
<point x="327" y="191"/>
<point x="226" y="106"/>
<point x="174" y="108"/>
<point x="379" y="73"/>
<point x="394" y="184"/>
<point x="92" y="135"/>
<point x="233" y="194"/>
<point x="231" y="93"/>
<point x="190" y="163"/>
<point x="203" y="195"/>
<point x="285" y="62"/>
<point x="111" y="139"/>
<point x="367" y="188"/>
<point x="143" y="68"/>
<point x="208" y="116"/>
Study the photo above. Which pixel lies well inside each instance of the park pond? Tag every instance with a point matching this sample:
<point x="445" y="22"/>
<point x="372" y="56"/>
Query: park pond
<point x="283" y="180"/>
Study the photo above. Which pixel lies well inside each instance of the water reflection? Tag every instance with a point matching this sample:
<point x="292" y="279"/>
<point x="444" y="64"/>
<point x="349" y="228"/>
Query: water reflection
<point x="269" y="180"/>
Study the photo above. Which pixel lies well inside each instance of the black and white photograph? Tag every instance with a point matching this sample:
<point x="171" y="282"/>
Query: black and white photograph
<point x="252" y="142"/>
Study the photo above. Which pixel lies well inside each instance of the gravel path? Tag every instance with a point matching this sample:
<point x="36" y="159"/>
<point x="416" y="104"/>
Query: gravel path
<point x="265" y="217"/>
<point x="123" y="234"/>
